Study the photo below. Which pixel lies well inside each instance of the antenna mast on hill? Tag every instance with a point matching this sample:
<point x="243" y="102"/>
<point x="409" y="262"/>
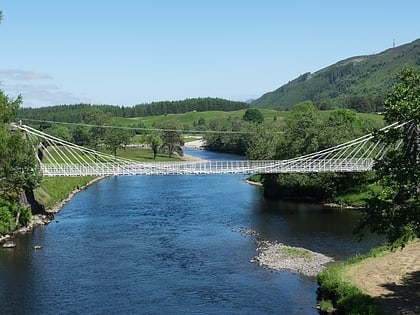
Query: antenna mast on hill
<point x="393" y="43"/>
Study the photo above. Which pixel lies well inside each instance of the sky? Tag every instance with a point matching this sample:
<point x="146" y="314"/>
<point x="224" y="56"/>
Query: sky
<point x="130" y="52"/>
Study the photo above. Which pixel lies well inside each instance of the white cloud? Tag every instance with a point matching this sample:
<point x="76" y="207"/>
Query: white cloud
<point x="23" y="75"/>
<point x="36" y="88"/>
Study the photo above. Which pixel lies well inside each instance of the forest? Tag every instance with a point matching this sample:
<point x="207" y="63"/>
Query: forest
<point x="80" y="112"/>
<point x="360" y="82"/>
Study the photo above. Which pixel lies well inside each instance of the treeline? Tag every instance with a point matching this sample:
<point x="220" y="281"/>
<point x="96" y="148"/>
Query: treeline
<point x="79" y="112"/>
<point x="308" y="130"/>
<point x="305" y="130"/>
<point x="188" y="105"/>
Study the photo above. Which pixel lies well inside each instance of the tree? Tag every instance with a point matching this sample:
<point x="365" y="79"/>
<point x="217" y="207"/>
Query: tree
<point x="19" y="172"/>
<point x="394" y="210"/>
<point x="263" y="144"/>
<point x="308" y="130"/>
<point x="116" y="138"/>
<point x="97" y="119"/>
<point x="61" y="132"/>
<point x="172" y="139"/>
<point x="303" y="127"/>
<point x="18" y="169"/>
<point x="81" y="135"/>
<point x="155" y="142"/>
<point x="253" y="115"/>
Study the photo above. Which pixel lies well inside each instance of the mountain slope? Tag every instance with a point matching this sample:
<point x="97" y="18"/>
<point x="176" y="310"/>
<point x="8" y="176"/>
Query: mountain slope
<point x="361" y="81"/>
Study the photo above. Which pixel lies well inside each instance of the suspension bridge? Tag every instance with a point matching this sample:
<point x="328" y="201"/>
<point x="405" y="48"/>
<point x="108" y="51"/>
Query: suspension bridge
<point x="57" y="157"/>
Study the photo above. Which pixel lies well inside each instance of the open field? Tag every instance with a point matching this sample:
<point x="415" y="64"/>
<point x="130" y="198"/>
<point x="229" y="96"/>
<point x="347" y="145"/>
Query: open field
<point x="271" y="116"/>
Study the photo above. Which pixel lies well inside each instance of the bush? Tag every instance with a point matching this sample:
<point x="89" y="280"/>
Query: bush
<point x="253" y="115"/>
<point x="25" y="216"/>
<point x="8" y="214"/>
<point x="7" y="221"/>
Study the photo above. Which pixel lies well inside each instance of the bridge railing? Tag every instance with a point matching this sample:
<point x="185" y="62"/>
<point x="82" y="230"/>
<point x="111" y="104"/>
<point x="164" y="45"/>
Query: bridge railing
<point x="209" y="167"/>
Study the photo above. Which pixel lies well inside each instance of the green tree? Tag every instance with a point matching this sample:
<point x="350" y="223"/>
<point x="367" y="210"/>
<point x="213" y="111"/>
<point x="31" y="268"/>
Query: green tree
<point x="61" y="132"/>
<point x="308" y="130"/>
<point x="81" y="135"/>
<point x="19" y="172"/>
<point x="263" y="144"/>
<point x="394" y="210"/>
<point x="18" y="169"/>
<point x="172" y="139"/>
<point x="97" y="119"/>
<point x="155" y="142"/>
<point x="253" y="115"/>
<point x="303" y="127"/>
<point x="116" y="138"/>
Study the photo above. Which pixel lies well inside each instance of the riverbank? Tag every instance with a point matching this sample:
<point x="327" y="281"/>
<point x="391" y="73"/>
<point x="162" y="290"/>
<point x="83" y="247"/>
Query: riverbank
<point x="382" y="282"/>
<point x="43" y="219"/>
<point x="48" y="215"/>
<point x="53" y="199"/>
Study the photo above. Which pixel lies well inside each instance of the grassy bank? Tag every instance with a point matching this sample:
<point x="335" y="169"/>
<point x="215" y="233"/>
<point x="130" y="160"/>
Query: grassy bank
<point x="382" y="281"/>
<point x="53" y="190"/>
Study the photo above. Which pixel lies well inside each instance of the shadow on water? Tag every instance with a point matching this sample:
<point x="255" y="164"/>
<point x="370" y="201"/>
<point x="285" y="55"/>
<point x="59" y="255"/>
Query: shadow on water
<point x="326" y="230"/>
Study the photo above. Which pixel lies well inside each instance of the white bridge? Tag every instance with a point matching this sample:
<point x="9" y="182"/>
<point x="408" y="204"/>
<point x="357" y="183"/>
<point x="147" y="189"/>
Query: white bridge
<point x="58" y="157"/>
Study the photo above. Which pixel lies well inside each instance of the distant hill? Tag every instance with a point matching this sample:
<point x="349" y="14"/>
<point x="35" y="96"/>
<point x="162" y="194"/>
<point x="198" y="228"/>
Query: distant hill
<point x="360" y="82"/>
<point x="85" y="112"/>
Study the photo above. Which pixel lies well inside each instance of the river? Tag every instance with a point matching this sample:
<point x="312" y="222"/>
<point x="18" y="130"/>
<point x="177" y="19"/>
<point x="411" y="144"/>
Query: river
<point x="170" y="245"/>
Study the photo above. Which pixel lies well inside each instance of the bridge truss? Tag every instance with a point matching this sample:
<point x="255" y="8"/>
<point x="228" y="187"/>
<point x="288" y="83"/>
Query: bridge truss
<point x="58" y="157"/>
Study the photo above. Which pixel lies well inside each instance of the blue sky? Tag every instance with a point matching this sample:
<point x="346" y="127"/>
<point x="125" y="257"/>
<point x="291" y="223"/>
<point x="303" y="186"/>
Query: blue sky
<point x="129" y="52"/>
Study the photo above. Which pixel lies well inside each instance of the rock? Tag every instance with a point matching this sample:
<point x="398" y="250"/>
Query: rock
<point x="9" y="244"/>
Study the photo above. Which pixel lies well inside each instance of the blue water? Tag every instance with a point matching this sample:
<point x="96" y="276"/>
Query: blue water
<point x="169" y="245"/>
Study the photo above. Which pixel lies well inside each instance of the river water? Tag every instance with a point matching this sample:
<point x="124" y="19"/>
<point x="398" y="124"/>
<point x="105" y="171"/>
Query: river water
<point x="170" y="245"/>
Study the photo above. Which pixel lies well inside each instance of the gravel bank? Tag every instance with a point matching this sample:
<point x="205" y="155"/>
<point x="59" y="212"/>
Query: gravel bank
<point x="278" y="256"/>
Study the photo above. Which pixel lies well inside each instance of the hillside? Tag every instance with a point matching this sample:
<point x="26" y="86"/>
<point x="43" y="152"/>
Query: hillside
<point x="360" y="82"/>
<point x="84" y="112"/>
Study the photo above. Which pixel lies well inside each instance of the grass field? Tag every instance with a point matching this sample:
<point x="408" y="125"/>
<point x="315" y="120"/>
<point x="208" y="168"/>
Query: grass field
<point x="56" y="189"/>
<point x="271" y="116"/>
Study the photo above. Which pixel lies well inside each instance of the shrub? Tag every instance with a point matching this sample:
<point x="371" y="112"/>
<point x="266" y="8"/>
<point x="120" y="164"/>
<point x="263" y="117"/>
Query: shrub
<point x="7" y="222"/>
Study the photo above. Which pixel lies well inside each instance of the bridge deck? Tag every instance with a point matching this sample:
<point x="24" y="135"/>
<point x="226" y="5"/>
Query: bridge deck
<point x="209" y="167"/>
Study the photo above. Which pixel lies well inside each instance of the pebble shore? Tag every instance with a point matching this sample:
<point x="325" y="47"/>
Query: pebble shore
<point x="277" y="256"/>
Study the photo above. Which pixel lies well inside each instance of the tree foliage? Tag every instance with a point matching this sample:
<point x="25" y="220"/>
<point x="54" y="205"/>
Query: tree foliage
<point x="233" y="136"/>
<point x="172" y="139"/>
<point x="394" y="210"/>
<point x="262" y="144"/>
<point x="155" y="142"/>
<point x="308" y="130"/>
<point x="116" y="138"/>
<point x="18" y="168"/>
<point x="253" y="115"/>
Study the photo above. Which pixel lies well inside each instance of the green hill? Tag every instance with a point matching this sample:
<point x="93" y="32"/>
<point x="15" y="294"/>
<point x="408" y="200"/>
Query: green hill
<point x="360" y="82"/>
